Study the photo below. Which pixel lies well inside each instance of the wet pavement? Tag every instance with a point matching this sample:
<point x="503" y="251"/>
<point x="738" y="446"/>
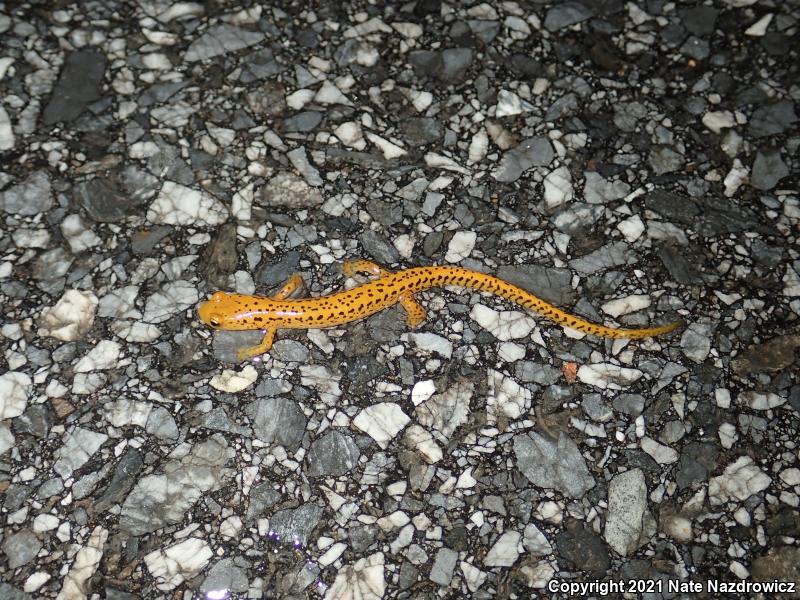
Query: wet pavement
<point x="632" y="163"/>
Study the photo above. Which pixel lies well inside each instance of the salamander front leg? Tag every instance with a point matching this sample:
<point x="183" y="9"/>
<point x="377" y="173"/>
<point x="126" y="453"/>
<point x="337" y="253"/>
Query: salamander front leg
<point x="351" y="267"/>
<point x="294" y="282"/>
<point x="262" y="348"/>
<point x="415" y="314"/>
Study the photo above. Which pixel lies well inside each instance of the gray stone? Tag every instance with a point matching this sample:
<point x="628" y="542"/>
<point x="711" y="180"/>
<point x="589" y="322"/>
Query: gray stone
<point x="294" y="525"/>
<point x="565" y="14"/>
<point x="32" y="196"/>
<point x="277" y="421"/>
<point x="532" y="152"/>
<point x="553" y="464"/>
<point x="332" y="454"/>
<point x="443" y="566"/>
<point x="225" y="575"/>
<point x="21" y="548"/>
<point x="262" y="496"/>
<point x="125" y="474"/>
<point x="614" y="254"/>
<point x="772" y="119"/>
<point x="549" y="283"/>
<point x="665" y="159"/>
<point x="221" y="39"/>
<point x="768" y="169"/>
<point x="78" y="86"/>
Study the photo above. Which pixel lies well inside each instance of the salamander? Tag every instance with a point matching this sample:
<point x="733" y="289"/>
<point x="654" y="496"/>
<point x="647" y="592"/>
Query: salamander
<point x="239" y="312"/>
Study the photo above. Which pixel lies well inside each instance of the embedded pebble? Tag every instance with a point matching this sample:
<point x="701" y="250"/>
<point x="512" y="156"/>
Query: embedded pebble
<point x="234" y="381"/>
<point x="178" y="204"/>
<point x="382" y="422"/>
<point x="629" y="524"/>
<point x="608" y="376"/>
<point x="151" y="161"/>
<point x="71" y="317"/>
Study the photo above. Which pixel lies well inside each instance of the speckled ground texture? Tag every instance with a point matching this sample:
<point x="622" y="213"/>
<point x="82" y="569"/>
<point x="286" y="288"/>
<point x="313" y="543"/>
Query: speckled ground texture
<point x="631" y="162"/>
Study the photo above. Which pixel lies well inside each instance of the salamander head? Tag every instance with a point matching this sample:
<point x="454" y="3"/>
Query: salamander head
<point x="212" y="312"/>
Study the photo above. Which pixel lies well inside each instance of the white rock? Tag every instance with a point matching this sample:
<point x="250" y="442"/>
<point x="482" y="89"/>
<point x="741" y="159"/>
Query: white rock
<point x="350" y="134"/>
<point x="759" y="28"/>
<point x="382" y="422"/>
<point x="231" y="381"/>
<point x="15" y="389"/>
<point x="557" y="188"/>
<point x="422" y="390"/>
<point x="790" y="476"/>
<point x="78" y="448"/>
<point x="632" y="228"/>
<point x="330" y="94"/>
<point x="509" y="104"/>
<point x="157" y="61"/>
<point x="727" y="435"/>
<point x="373" y="25"/>
<point x="735" y="178"/>
<point x="608" y="376"/>
<point x="222" y="135"/>
<point x="739" y="481"/>
<point x="104" y="355"/>
<point x="478" y="147"/>
<point x="505" y="397"/>
<point x="718" y="120"/>
<point x="504" y="325"/>
<point x="6" y="131"/>
<point x="473" y="576"/>
<point x="177" y="204"/>
<point x="466" y="480"/>
<point x="363" y="580"/>
<point x="420" y="440"/>
<point x="419" y="100"/>
<point x="332" y="554"/>
<point x="136" y="332"/>
<point x="761" y="400"/>
<point x="31" y="238"/>
<point x="460" y="246"/>
<point x="6" y="437"/>
<point x="322" y="379"/>
<point x="299" y="99"/>
<point x="388" y="149"/>
<point x="179" y="562"/>
<point x="535" y="542"/>
<point x="408" y="30"/>
<point x="35" y="581"/>
<point x="505" y="550"/>
<point x="79" y="236"/>
<point x="45" y="522"/>
<point x="173" y="297"/>
<point x="242" y="203"/>
<point x="437" y="161"/>
<point x="678" y="528"/>
<point x="511" y="352"/>
<point x="627" y="305"/>
<point x="71" y="317"/>
<point x="663" y="455"/>
<point x="125" y="412"/>
<point x="431" y="342"/>
<point x="84" y="566"/>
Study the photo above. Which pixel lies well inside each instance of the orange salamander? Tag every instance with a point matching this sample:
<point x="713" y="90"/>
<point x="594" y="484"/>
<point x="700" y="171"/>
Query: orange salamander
<point x="237" y="311"/>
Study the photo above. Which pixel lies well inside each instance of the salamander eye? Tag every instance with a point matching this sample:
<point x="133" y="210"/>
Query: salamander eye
<point x="214" y="322"/>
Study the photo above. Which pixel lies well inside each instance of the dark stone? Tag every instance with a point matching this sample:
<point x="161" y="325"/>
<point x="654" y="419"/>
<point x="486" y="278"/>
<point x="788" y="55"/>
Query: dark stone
<point x="582" y="548"/>
<point x="78" y="85"/>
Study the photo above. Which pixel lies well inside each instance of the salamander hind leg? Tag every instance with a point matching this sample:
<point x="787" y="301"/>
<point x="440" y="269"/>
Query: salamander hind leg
<point x="294" y="282"/>
<point x="415" y="314"/>
<point x="351" y="267"/>
<point x="262" y="348"/>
